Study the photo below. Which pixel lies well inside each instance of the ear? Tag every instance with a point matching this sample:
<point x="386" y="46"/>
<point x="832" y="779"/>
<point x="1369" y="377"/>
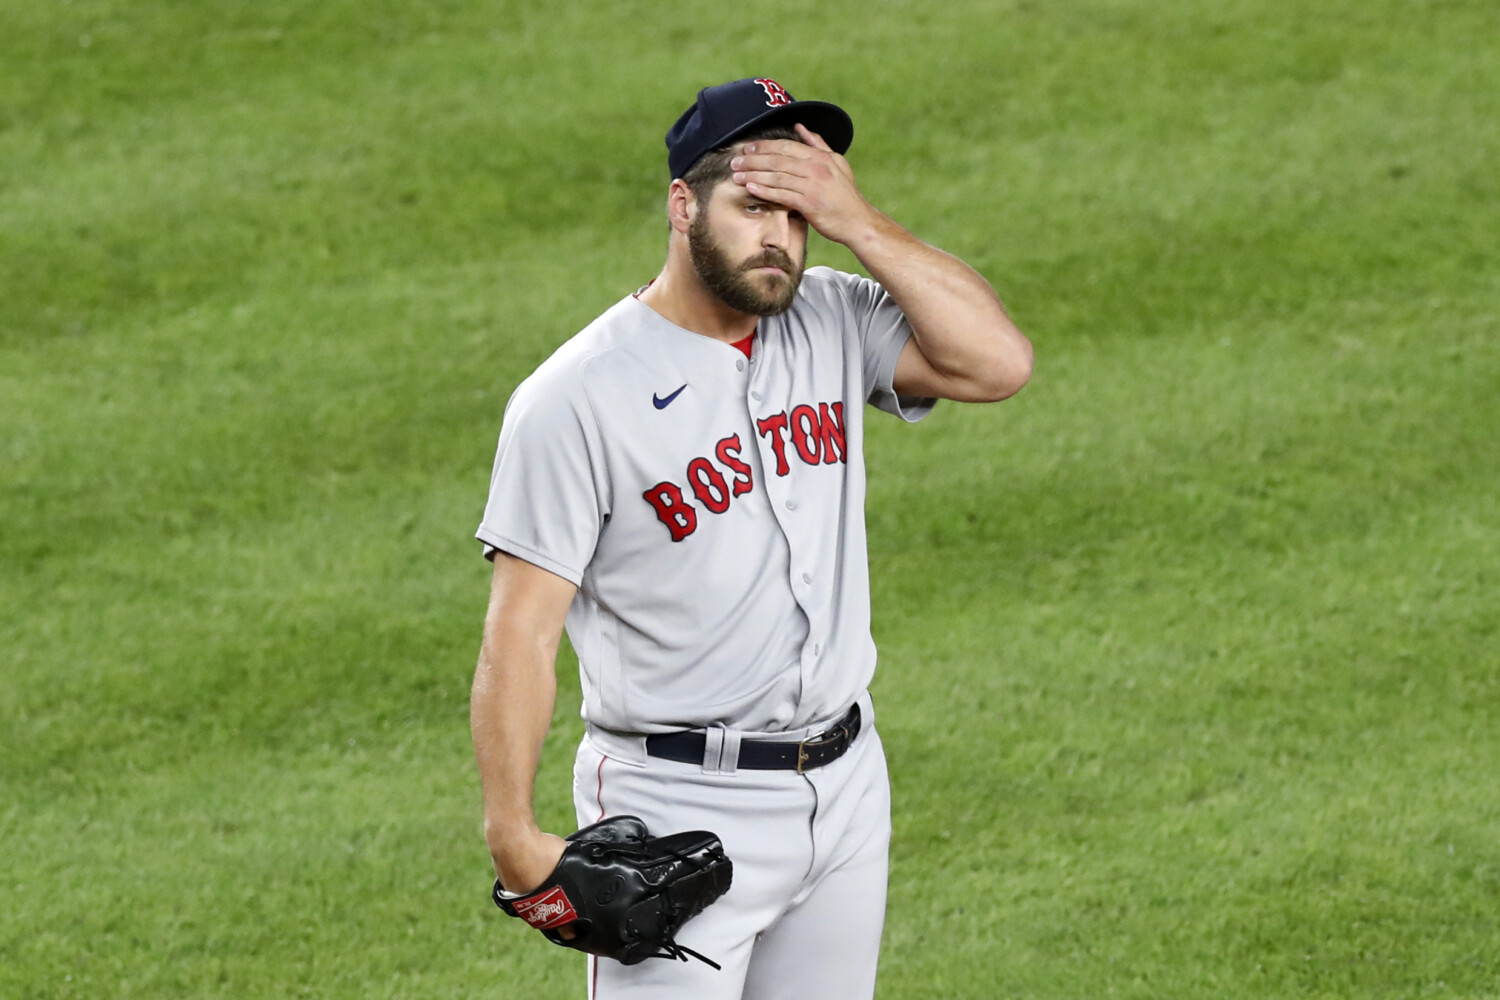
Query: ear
<point x="682" y="205"/>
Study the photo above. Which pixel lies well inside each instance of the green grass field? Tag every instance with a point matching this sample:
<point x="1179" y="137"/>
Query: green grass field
<point x="1190" y="660"/>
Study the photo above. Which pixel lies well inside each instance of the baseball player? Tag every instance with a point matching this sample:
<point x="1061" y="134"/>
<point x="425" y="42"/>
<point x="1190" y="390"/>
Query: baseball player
<point x="682" y="486"/>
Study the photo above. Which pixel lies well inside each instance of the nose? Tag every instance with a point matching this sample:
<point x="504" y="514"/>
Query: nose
<point x="778" y="230"/>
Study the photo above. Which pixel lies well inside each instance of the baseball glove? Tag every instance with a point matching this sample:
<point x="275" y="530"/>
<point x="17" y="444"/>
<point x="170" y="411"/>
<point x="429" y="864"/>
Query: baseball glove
<point x="625" y="892"/>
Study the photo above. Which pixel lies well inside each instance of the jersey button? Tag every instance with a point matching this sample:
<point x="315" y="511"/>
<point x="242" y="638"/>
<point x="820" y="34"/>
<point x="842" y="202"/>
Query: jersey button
<point x="755" y="394"/>
<point x="739" y="365"/>
<point x="791" y="505"/>
<point x="807" y="578"/>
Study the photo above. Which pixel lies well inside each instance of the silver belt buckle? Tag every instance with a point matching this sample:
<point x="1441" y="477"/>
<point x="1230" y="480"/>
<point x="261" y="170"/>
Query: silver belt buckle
<point x="817" y="741"/>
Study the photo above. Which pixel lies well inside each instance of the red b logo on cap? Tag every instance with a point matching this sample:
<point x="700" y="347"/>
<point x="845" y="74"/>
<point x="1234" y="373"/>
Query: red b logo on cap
<point x="775" y="95"/>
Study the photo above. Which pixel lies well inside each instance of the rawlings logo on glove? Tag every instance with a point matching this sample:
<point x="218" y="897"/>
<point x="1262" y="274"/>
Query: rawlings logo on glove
<point x="549" y="910"/>
<point x="625" y="892"/>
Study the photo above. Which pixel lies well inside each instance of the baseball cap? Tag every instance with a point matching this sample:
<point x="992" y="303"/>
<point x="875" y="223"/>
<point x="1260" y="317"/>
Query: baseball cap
<point x="731" y="109"/>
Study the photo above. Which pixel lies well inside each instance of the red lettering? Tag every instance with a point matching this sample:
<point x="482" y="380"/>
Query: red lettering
<point x="805" y="433"/>
<point x="728" y="452"/>
<point x="816" y="432"/>
<point x="775" y="95"/>
<point x="831" y="429"/>
<point x="775" y="428"/>
<point x="708" y="485"/>
<point x="675" y="512"/>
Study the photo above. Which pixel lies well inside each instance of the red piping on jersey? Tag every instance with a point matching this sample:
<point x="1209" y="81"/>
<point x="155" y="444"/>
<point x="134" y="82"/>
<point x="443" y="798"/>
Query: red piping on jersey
<point x="593" y="960"/>
<point x="600" y="797"/>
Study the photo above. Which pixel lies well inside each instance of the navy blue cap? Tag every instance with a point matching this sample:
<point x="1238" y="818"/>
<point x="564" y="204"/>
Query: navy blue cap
<point x="731" y="109"/>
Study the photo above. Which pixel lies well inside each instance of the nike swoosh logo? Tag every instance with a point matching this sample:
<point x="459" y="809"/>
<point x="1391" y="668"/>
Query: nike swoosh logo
<point x="662" y="404"/>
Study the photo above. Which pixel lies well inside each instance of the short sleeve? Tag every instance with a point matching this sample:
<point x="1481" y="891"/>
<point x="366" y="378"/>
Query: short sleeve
<point x="883" y="332"/>
<point x="548" y="491"/>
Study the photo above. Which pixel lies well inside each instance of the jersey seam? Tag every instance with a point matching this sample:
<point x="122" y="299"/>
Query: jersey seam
<point x="586" y="362"/>
<point x="842" y="289"/>
<point x="588" y="400"/>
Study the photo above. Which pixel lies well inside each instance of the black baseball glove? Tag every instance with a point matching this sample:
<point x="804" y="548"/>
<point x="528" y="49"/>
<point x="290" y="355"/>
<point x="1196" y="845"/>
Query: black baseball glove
<point x="624" y="892"/>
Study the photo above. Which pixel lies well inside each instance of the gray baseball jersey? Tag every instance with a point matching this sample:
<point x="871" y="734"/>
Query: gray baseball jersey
<point x="708" y="506"/>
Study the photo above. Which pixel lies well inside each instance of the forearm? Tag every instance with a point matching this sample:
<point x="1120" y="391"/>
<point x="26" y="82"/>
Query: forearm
<point x="510" y="711"/>
<point x="958" y="321"/>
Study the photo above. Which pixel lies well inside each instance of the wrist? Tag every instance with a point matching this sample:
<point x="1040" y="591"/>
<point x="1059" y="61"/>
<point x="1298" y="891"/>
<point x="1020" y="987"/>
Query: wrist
<point x="524" y="862"/>
<point x="869" y="233"/>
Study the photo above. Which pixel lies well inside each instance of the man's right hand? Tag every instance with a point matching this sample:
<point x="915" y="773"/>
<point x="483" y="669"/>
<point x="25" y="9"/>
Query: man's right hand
<point x="524" y="862"/>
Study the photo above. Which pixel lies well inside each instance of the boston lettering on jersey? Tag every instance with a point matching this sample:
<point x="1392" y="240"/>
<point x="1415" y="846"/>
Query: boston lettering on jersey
<point x="816" y="436"/>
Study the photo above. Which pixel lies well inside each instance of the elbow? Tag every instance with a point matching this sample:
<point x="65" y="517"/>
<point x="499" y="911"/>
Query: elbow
<point x="1006" y="372"/>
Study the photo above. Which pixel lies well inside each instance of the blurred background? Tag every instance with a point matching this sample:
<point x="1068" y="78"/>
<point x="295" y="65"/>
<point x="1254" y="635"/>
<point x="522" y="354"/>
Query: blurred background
<point x="1189" y="671"/>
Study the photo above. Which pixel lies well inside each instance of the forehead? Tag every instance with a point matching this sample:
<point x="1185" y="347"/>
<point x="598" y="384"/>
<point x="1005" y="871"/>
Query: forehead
<point x="728" y="190"/>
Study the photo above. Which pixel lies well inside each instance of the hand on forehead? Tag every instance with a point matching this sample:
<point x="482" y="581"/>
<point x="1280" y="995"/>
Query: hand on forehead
<point x="774" y="154"/>
<point x="807" y="177"/>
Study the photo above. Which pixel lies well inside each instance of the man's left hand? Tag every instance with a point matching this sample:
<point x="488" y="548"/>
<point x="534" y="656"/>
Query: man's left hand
<point x="807" y="177"/>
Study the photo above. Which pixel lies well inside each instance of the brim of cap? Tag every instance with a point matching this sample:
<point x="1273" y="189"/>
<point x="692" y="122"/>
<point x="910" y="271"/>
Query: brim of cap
<point x="828" y="120"/>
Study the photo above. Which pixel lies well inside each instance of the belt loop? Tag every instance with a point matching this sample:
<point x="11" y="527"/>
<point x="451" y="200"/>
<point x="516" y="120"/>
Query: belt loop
<point x="713" y="749"/>
<point x="721" y="750"/>
<point x="730" y="761"/>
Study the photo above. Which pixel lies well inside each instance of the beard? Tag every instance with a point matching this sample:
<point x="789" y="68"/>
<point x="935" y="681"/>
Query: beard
<point x="735" y="286"/>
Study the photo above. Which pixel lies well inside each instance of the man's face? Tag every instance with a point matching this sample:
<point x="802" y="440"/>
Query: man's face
<point x="748" y="252"/>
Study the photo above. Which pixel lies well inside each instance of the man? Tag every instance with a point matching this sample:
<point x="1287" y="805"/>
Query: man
<point x="683" y="483"/>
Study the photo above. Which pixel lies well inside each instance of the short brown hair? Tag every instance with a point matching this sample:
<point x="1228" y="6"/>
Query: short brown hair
<point x="712" y="167"/>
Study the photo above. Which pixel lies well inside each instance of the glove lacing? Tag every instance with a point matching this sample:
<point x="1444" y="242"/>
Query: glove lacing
<point x="680" y="952"/>
<point x="669" y="948"/>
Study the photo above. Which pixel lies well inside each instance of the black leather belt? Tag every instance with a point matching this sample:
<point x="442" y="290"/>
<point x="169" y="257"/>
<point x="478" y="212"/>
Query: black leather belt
<point x="765" y="755"/>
